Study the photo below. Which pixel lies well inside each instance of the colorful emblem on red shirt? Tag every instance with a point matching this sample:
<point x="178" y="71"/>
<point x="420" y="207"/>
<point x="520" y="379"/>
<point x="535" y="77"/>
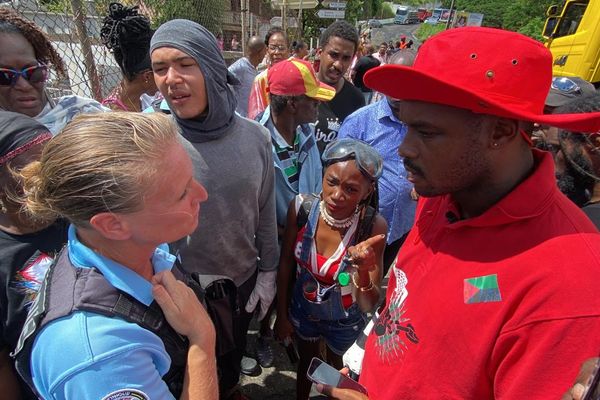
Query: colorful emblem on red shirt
<point x="482" y="289"/>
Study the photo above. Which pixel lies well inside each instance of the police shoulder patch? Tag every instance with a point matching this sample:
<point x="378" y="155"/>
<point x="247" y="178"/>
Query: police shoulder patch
<point x="126" y="394"/>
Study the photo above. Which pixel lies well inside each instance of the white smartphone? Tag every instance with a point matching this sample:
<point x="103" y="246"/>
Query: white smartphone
<point x="321" y="372"/>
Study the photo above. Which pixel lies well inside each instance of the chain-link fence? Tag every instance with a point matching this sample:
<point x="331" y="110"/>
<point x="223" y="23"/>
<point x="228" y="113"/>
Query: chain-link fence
<point x="74" y="28"/>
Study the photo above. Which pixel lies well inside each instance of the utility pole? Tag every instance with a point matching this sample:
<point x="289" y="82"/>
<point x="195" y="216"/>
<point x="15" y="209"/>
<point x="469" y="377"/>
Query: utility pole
<point x="300" y="28"/>
<point x="243" y="18"/>
<point x="249" y="20"/>
<point x="284" y="17"/>
<point x="450" y="16"/>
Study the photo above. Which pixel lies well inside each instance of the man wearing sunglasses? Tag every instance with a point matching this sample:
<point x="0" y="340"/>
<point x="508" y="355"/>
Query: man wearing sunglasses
<point x="500" y="273"/>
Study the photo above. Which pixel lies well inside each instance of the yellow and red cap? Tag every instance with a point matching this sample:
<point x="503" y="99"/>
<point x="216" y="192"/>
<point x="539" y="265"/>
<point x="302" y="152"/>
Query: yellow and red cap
<point x="295" y="77"/>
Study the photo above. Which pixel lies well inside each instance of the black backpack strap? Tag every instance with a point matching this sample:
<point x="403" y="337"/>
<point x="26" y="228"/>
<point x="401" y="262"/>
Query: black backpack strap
<point x="66" y="289"/>
<point x="304" y="211"/>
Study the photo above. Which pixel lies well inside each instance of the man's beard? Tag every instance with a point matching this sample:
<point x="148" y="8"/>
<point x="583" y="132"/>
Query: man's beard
<point x="575" y="185"/>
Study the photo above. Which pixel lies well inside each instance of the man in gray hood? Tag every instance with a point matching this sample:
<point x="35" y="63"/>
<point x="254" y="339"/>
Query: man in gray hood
<point x="234" y="249"/>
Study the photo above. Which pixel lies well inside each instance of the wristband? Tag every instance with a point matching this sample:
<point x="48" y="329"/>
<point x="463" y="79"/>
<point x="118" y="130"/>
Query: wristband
<point x="362" y="288"/>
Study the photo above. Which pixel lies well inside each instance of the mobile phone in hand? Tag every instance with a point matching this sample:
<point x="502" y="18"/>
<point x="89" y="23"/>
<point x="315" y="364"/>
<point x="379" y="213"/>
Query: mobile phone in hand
<point x="593" y="390"/>
<point x="321" y="372"/>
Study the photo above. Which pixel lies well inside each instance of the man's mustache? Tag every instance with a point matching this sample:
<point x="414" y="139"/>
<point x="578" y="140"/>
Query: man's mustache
<point x="409" y="165"/>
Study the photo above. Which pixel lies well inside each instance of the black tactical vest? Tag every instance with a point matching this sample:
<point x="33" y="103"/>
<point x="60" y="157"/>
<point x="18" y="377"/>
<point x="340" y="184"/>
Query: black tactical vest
<point x="67" y="289"/>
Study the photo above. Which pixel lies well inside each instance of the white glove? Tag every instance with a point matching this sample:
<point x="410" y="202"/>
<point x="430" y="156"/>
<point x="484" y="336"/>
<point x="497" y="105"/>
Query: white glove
<point x="264" y="290"/>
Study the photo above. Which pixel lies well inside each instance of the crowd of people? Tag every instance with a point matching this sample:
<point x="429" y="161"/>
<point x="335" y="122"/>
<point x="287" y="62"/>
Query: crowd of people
<point x="141" y="235"/>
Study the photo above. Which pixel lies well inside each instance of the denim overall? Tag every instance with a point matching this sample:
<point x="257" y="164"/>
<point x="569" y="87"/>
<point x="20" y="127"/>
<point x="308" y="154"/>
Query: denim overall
<point x="323" y="307"/>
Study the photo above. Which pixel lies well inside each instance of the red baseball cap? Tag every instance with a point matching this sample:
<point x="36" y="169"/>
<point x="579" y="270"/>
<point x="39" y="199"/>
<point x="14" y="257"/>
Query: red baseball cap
<point x="295" y="77"/>
<point x="485" y="70"/>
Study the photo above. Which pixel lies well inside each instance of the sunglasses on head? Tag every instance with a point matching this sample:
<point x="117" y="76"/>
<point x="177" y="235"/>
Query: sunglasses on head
<point x="36" y="74"/>
<point x="565" y="85"/>
<point x="367" y="158"/>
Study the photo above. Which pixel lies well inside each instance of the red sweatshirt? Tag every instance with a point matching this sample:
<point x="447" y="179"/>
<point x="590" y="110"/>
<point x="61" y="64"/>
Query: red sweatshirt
<point x="505" y="305"/>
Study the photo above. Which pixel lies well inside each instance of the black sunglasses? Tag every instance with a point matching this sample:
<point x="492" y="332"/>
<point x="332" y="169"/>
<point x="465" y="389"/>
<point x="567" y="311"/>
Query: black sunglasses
<point x="36" y="74"/>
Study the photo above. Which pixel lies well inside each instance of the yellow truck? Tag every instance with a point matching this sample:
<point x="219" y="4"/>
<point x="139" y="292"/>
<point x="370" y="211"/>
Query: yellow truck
<point x="572" y="34"/>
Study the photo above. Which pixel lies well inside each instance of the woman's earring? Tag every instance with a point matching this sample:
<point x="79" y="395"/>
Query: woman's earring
<point x="3" y="209"/>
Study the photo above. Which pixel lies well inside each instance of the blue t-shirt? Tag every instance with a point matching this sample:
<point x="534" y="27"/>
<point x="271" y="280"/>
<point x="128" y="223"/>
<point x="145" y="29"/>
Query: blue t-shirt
<point x="89" y="356"/>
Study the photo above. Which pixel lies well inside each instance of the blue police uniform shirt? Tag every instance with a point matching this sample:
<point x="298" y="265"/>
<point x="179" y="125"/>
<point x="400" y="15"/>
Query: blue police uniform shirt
<point x="377" y="125"/>
<point x="89" y="356"/>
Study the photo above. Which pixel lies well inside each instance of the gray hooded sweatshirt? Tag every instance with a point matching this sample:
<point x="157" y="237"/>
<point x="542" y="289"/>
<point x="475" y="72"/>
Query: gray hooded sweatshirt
<point x="232" y="159"/>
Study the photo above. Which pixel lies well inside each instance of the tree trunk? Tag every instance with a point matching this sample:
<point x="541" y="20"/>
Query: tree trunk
<point x="79" y="18"/>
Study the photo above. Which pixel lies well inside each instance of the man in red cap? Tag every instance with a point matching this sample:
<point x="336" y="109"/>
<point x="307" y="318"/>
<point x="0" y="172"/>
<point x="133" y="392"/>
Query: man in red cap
<point x="495" y="291"/>
<point x="295" y="93"/>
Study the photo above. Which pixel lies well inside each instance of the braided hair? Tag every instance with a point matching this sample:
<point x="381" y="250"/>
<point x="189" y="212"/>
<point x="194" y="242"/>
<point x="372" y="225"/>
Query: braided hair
<point x="127" y="34"/>
<point x="366" y="221"/>
<point x="12" y="23"/>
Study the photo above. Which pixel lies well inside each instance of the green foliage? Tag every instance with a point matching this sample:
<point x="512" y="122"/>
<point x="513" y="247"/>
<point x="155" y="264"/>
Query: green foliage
<point x="312" y="23"/>
<point x="376" y="8"/>
<point x="426" y="30"/>
<point x="534" y="28"/>
<point x="524" y="16"/>
<point x="65" y="7"/>
<point x="354" y="11"/>
<point x="387" y="12"/>
<point x="414" y="3"/>
<point x="208" y="13"/>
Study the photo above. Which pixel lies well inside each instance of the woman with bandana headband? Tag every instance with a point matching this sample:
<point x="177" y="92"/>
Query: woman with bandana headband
<point x="27" y="247"/>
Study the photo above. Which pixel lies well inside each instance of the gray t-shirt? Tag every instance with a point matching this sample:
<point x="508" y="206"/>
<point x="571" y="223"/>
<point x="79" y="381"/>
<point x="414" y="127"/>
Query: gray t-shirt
<point x="237" y="222"/>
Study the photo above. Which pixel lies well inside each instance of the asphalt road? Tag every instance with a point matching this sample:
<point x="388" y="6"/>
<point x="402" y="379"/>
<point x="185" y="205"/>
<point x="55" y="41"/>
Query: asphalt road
<point x="393" y="33"/>
<point x="279" y="381"/>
